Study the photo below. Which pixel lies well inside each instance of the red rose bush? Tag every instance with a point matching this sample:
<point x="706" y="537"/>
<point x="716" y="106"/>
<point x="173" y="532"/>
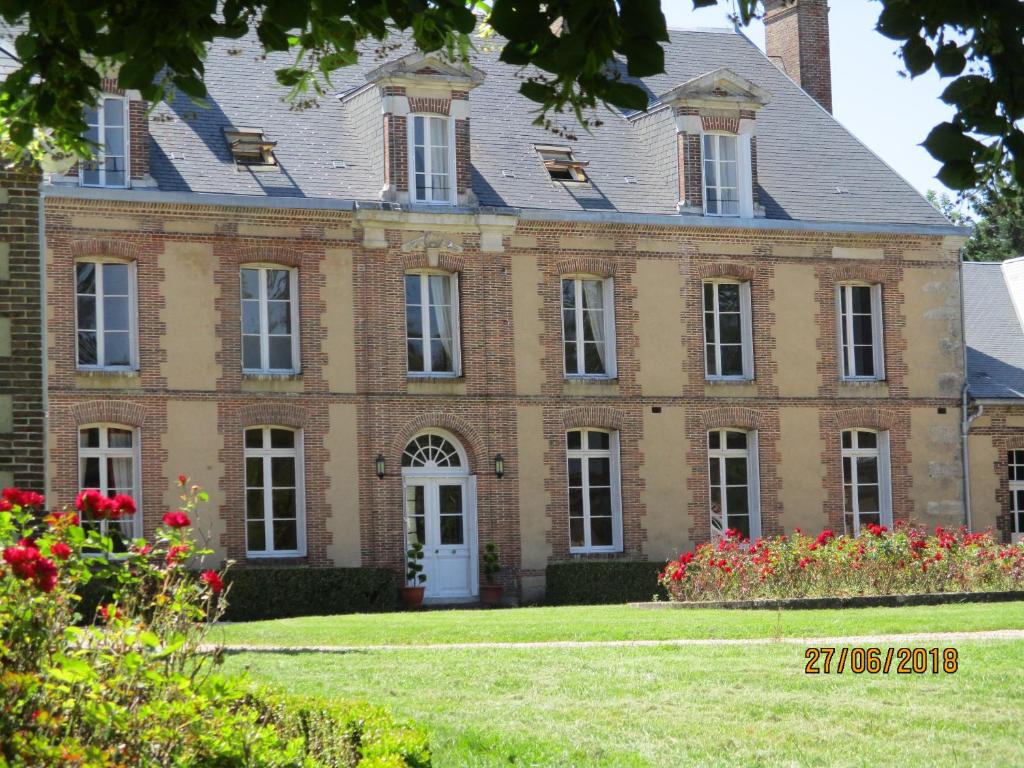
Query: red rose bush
<point x="906" y="560"/>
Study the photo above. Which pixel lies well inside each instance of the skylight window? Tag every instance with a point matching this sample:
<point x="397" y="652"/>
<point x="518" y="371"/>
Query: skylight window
<point x="251" y="149"/>
<point x="560" y="163"/>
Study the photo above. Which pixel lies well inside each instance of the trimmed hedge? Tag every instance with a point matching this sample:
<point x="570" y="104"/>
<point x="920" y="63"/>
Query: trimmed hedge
<point x="280" y="593"/>
<point x="600" y="582"/>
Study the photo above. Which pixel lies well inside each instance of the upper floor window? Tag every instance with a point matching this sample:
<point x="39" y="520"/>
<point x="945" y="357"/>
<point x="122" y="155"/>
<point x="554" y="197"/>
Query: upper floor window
<point x="860" y="331"/>
<point x="108" y="461"/>
<point x="274" y="493"/>
<point x="734" y="481"/>
<point x="1015" y="464"/>
<point x="107" y="130"/>
<point x="432" y="324"/>
<point x="721" y="174"/>
<point x="595" y="508"/>
<point x="560" y="163"/>
<point x="866" y="489"/>
<point x="431" y="169"/>
<point x="105" y="314"/>
<point x="728" y="343"/>
<point x="270" y="332"/>
<point x="588" y="327"/>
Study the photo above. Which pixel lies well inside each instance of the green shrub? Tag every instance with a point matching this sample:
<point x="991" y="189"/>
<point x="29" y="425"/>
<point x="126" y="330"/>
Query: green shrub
<point x="279" y="593"/>
<point x="599" y="582"/>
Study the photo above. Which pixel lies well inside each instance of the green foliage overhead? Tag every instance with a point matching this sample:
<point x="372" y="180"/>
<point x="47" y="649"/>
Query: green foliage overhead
<point x="64" y="48"/>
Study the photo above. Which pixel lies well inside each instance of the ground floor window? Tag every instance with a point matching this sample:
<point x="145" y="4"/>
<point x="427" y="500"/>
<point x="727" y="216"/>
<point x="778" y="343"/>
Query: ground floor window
<point x="1015" y="464"/>
<point x="866" y="490"/>
<point x="274" y="503"/>
<point x="595" y="514"/>
<point x="734" y="484"/>
<point x="108" y="461"/>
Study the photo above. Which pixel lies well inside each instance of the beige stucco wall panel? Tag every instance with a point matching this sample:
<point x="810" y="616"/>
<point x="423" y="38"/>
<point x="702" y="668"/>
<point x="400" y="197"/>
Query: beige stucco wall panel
<point x="665" y="474"/>
<point x="526" y="304"/>
<point x="659" y="286"/>
<point x="343" y="495"/>
<point x="801" y="473"/>
<point x="931" y="307"/>
<point x="190" y="291"/>
<point x="984" y="481"/>
<point x="796" y="330"/>
<point x="339" y="319"/>
<point x="935" y="466"/>
<point x="533" y="497"/>
<point x="193" y="448"/>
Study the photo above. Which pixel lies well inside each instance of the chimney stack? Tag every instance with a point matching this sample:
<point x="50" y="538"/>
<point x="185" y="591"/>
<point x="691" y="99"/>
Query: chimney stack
<point x="796" y="39"/>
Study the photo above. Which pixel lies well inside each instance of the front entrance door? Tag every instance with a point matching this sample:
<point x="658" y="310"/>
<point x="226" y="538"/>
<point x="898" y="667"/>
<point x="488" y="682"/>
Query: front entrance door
<point x="439" y="513"/>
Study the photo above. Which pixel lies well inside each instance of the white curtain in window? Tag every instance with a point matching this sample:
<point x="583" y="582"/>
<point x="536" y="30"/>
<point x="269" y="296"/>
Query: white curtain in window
<point x="593" y="305"/>
<point x="440" y="310"/>
<point x="120" y="480"/>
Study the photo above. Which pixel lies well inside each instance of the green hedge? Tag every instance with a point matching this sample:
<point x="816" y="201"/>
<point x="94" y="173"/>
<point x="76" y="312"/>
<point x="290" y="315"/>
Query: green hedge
<point x="599" y="582"/>
<point x="278" y="593"/>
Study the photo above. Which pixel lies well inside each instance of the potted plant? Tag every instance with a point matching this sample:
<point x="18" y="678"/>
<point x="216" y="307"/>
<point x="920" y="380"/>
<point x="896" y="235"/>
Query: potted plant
<point x="412" y="593"/>
<point x="490" y="593"/>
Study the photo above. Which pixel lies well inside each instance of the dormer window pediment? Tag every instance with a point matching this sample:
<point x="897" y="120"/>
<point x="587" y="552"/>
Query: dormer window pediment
<point x="426" y="68"/>
<point x="721" y="88"/>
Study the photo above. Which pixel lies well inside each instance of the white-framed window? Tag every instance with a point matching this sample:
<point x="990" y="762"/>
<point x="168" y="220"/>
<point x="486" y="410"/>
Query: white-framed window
<point x="595" y="500"/>
<point x="734" y="478"/>
<point x="728" y="330"/>
<point x="432" y="162"/>
<point x="108" y="461"/>
<point x="107" y="130"/>
<point x="859" y="311"/>
<point x="106" y="315"/>
<point x="867" y="493"/>
<point x="275" y="505"/>
<point x="270" y="320"/>
<point x="1015" y="466"/>
<point x="588" y="327"/>
<point x="727" y="168"/>
<point x="432" y="324"/>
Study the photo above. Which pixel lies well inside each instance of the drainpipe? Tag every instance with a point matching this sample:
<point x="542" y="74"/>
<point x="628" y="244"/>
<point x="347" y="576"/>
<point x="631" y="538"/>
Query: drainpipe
<point x="42" y="321"/>
<point x="965" y="417"/>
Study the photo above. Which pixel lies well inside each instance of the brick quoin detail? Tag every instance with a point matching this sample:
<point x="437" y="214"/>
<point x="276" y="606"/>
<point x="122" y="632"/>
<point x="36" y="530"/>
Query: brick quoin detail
<point x="396" y="152"/>
<point x="691" y="175"/>
<point x="431" y="106"/>
<point x="894" y="420"/>
<point x="721" y="123"/>
<point x="463" y="161"/>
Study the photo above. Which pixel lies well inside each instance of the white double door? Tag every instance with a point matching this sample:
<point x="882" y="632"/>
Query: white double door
<point x="440" y="512"/>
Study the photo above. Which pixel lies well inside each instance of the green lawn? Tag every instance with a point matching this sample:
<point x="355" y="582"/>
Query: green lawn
<point x="664" y="705"/>
<point x="615" y="623"/>
<point x="673" y="706"/>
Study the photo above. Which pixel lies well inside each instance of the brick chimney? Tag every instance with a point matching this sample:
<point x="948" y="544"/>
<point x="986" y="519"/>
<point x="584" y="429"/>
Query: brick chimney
<point x="796" y="39"/>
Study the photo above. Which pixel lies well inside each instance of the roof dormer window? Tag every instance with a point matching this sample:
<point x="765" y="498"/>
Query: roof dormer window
<point x="721" y="174"/>
<point x="108" y="133"/>
<point x="431" y="170"/>
<point x="251" y="149"/>
<point x="561" y="165"/>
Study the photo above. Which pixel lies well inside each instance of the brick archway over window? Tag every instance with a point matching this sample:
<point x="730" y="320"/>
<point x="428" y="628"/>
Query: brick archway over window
<point x="472" y="442"/>
<point x="109" y="412"/>
<point x="270" y="254"/>
<point x="269" y="414"/>
<point x="81" y="249"/>
<point x="592" y="416"/>
<point x="586" y="265"/>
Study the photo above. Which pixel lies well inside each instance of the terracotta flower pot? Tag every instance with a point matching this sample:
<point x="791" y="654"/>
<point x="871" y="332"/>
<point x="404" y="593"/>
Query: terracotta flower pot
<point x="412" y="597"/>
<point x="490" y="594"/>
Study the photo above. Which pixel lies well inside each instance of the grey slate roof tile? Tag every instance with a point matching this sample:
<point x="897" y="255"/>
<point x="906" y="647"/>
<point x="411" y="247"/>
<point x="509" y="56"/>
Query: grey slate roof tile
<point x="993" y="333"/>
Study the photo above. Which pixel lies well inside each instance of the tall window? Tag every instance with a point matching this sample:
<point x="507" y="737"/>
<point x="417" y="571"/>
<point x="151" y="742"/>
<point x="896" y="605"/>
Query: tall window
<point x="1015" y="463"/>
<point x="735" y="486"/>
<point x="108" y="132"/>
<point x="108" y="461"/>
<point x="728" y="344"/>
<point x="105" y="314"/>
<point x="595" y="515"/>
<point x="721" y="175"/>
<point x="432" y="324"/>
<point x="430" y="143"/>
<point x="588" y="327"/>
<point x="274" y="500"/>
<point x="270" y="334"/>
<point x="860" y="330"/>
<point x="866" y="491"/>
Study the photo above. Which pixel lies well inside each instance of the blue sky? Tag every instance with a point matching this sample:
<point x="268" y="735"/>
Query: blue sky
<point x="889" y="113"/>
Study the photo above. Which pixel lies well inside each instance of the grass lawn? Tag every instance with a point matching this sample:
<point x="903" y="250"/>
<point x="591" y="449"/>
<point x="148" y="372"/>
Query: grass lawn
<point x="614" y="622"/>
<point x="660" y="706"/>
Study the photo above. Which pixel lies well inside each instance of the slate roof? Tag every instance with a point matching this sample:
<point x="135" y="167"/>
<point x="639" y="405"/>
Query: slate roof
<point x="993" y="333"/>
<point x="810" y="168"/>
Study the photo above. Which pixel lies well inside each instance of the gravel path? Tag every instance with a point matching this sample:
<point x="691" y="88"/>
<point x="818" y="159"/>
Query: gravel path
<point x="915" y="638"/>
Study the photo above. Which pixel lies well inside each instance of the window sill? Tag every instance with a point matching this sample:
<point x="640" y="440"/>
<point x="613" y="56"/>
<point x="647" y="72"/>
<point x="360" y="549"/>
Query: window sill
<point x="863" y="388"/>
<point x="730" y="387"/>
<point x="107" y="378"/>
<point x="273" y="382"/>
<point x="582" y="386"/>
<point x="610" y="554"/>
<point x="436" y="385"/>
<point x="275" y="558"/>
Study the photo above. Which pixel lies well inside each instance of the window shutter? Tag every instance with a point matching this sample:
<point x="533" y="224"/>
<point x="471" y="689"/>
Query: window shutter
<point x="840" y="352"/>
<point x="884" y="479"/>
<point x="747" y="329"/>
<point x="616" y="492"/>
<point x="453" y="283"/>
<point x="746" y="190"/>
<point x="611" y="366"/>
<point x="754" y="484"/>
<point x="876" y="331"/>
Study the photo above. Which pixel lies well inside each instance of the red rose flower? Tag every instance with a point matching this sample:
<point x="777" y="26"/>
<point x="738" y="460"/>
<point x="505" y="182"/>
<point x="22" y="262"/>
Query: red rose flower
<point x="32" y="499"/>
<point x="143" y="550"/>
<point x="108" y="612"/>
<point x="91" y="503"/>
<point x="176" y="553"/>
<point x="5" y="505"/>
<point x="182" y="479"/>
<point x="176" y="520"/>
<point x="824" y="536"/>
<point x="60" y="550"/>
<point x="46" y="575"/>
<point x="22" y="560"/>
<point x="213" y="580"/>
